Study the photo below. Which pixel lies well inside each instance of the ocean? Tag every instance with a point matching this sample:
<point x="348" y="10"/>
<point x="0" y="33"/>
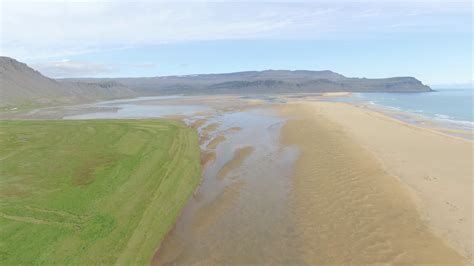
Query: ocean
<point x="453" y="107"/>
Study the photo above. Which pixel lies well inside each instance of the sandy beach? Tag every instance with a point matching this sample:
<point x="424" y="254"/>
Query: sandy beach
<point x="371" y="189"/>
<point x="300" y="180"/>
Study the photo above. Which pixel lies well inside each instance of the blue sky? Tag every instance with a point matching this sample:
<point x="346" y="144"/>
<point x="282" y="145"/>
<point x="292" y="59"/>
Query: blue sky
<point x="431" y="40"/>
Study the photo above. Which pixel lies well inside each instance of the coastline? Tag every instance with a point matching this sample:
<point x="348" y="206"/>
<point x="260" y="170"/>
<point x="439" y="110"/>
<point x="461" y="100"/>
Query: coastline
<point x="417" y="163"/>
<point x="421" y="109"/>
<point x="451" y="128"/>
<point x="391" y="191"/>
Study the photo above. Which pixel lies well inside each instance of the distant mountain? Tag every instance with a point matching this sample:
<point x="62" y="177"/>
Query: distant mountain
<point x="24" y="86"/>
<point x="264" y="82"/>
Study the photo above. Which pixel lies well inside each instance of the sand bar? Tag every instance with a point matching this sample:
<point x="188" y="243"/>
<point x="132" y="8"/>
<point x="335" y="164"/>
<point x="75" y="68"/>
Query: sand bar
<point x="216" y="141"/>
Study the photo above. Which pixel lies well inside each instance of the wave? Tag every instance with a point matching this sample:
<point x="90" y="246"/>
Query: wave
<point x="444" y="119"/>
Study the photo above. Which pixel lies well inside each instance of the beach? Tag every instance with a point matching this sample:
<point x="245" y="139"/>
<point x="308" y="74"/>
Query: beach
<point x="372" y="189"/>
<point x="311" y="179"/>
<point x="236" y="133"/>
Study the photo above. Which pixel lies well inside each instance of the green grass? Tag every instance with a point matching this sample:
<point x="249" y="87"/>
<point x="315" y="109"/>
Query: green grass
<point x="92" y="192"/>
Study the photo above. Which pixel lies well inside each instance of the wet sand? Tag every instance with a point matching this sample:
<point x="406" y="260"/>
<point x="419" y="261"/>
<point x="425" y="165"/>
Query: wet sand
<point x="209" y="128"/>
<point x="198" y="123"/>
<point x="234" y="129"/>
<point x="239" y="156"/>
<point x="215" y="141"/>
<point x="349" y="207"/>
<point x="204" y="134"/>
<point x="207" y="157"/>
<point x="210" y="213"/>
<point x="241" y="213"/>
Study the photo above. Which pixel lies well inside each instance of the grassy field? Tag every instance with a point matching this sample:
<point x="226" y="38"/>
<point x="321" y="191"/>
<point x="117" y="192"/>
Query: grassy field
<point x="92" y="192"/>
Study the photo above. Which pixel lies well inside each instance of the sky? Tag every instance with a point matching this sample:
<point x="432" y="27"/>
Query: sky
<point x="428" y="39"/>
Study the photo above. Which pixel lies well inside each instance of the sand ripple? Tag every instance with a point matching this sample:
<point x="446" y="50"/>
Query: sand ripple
<point x="349" y="211"/>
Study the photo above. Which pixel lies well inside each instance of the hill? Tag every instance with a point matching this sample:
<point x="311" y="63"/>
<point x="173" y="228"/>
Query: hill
<point x="22" y="86"/>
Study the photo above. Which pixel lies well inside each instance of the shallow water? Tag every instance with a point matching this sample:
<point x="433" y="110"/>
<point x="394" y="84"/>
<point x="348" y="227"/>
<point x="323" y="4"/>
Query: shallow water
<point x="241" y="212"/>
<point x="144" y="107"/>
<point x="452" y="107"/>
<point x="244" y="217"/>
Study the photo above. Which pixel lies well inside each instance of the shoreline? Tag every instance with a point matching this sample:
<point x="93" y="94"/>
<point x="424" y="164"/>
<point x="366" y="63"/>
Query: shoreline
<point x="391" y="154"/>
<point x="449" y="128"/>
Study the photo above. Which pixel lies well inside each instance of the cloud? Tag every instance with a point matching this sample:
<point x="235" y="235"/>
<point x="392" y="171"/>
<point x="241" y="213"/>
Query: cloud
<point x="70" y="68"/>
<point x="143" y="65"/>
<point x="38" y="30"/>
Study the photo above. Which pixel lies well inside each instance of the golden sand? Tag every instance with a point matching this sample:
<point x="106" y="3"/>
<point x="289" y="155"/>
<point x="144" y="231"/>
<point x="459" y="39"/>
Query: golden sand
<point x="348" y="209"/>
<point x="436" y="168"/>
<point x="239" y="157"/>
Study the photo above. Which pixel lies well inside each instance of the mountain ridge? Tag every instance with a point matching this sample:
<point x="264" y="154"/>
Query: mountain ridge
<point x="22" y="85"/>
<point x="266" y="81"/>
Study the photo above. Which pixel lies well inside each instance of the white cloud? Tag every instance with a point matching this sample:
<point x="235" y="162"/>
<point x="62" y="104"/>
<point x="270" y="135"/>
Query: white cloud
<point x="143" y="65"/>
<point x="37" y="30"/>
<point x="71" y="68"/>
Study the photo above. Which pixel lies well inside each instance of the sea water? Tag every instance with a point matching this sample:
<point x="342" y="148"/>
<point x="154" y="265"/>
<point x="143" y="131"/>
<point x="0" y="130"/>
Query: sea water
<point x="453" y="106"/>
